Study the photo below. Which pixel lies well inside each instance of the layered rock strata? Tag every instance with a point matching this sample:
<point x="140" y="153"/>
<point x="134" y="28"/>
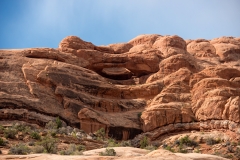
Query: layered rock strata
<point x="153" y="84"/>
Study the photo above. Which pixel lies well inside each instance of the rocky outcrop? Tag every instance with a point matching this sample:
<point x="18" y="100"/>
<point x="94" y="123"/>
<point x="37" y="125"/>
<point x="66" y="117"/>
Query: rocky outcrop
<point x="201" y="48"/>
<point x="153" y="84"/>
<point x="170" y="45"/>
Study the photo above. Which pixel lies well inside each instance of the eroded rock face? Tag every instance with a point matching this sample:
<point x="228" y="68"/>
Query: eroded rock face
<point x="201" y="48"/>
<point x="227" y="48"/>
<point x="152" y="84"/>
<point x="170" y="45"/>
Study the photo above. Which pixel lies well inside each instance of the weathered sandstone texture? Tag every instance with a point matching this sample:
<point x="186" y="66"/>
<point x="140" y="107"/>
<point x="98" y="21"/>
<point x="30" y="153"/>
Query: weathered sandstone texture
<point x="153" y="84"/>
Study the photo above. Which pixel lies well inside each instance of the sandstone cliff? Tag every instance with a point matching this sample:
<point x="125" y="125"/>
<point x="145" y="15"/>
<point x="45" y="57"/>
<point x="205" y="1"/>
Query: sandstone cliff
<point x="153" y="84"/>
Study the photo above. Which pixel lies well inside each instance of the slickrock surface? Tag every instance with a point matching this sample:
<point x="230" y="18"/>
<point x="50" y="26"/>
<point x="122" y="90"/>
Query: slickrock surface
<point x="122" y="153"/>
<point x="153" y="84"/>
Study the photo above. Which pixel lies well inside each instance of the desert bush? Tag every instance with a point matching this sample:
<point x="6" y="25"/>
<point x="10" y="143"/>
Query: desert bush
<point x="53" y="133"/>
<point x="187" y="141"/>
<point x="169" y="148"/>
<point x="139" y="115"/>
<point x="74" y="135"/>
<point x="35" y="135"/>
<point x="125" y="144"/>
<point x="66" y="152"/>
<point x="2" y="142"/>
<point x="150" y="147"/>
<point x="51" y="125"/>
<point x="212" y="141"/>
<point x="63" y="130"/>
<point x="144" y="142"/>
<point x="31" y="143"/>
<point x="108" y="152"/>
<point x="10" y="133"/>
<point x="69" y="151"/>
<point x="181" y="149"/>
<point x="2" y="129"/>
<point x="22" y="128"/>
<point x="19" y="149"/>
<point x="54" y="124"/>
<point x="58" y="122"/>
<point x="49" y="144"/>
<point x="100" y="134"/>
<point x="19" y="127"/>
<point x="112" y="143"/>
<point x="38" y="149"/>
<point x="73" y="150"/>
<point x="80" y="147"/>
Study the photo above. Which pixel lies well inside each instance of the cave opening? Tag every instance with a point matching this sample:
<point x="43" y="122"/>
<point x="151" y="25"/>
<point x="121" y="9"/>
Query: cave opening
<point x="117" y="77"/>
<point x="121" y="133"/>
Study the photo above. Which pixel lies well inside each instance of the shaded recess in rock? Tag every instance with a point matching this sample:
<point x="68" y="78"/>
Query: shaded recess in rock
<point x="120" y="133"/>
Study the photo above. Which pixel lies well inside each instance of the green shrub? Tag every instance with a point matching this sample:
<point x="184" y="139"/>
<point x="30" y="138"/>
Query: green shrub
<point x="212" y="141"/>
<point x="69" y="151"/>
<point x="150" y="147"/>
<point x="58" y="122"/>
<point x="188" y="142"/>
<point x="38" y="149"/>
<point x="144" y="142"/>
<point x="108" y="152"/>
<point x="54" y="124"/>
<point x="2" y="142"/>
<point x="112" y="143"/>
<point x="100" y="133"/>
<point x="182" y="150"/>
<point x="80" y="147"/>
<point x="21" y="128"/>
<point x="51" y="125"/>
<point x="73" y="150"/>
<point x="2" y="129"/>
<point x="126" y="144"/>
<point x="19" y="149"/>
<point x="49" y="144"/>
<point x="139" y="115"/>
<point x="31" y="143"/>
<point x="53" y="133"/>
<point x="10" y="133"/>
<point x="35" y="135"/>
<point x="63" y="130"/>
<point x="169" y="148"/>
<point x="66" y="152"/>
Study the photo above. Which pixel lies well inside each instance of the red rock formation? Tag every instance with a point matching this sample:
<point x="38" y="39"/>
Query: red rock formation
<point x="154" y="84"/>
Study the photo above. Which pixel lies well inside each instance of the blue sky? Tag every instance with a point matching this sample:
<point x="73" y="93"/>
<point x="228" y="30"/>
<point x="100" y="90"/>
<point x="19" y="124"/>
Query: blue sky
<point x="44" y="23"/>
